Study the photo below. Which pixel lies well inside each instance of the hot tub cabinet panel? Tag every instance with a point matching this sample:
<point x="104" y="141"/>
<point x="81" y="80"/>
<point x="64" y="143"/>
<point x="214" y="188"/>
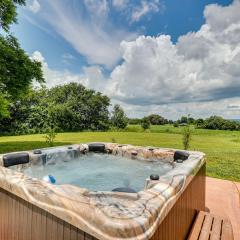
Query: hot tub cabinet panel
<point x="178" y="222"/>
<point x="165" y="210"/>
<point x="20" y="220"/>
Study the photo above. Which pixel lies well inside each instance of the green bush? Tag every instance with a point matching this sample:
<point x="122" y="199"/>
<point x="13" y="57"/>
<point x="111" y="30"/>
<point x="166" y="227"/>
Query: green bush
<point x="70" y="107"/>
<point x="50" y="135"/>
<point x="145" y="124"/>
<point x="156" y="119"/>
<point x="186" y="137"/>
<point x="176" y="124"/>
<point x="218" y="123"/>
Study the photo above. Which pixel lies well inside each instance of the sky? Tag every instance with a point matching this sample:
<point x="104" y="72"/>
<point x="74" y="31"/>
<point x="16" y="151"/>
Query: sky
<point x="167" y="57"/>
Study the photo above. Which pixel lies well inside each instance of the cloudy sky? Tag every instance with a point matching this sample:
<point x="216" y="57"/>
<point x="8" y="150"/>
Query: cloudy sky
<point x="168" y="57"/>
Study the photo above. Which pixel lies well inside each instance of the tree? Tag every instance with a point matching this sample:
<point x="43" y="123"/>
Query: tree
<point x="17" y="69"/>
<point x="156" y="119"/>
<point x="4" y="105"/>
<point x="199" y="121"/>
<point x="70" y="107"/>
<point x="119" y="119"/>
<point x="74" y="108"/>
<point x="216" y="122"/>
<point x="8" y="12"/>
<point x="145" y="124"/>
<point x="183" y="119"/>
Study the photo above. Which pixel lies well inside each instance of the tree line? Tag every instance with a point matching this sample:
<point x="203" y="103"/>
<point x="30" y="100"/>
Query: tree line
<point x="71" y="107"/>
<point x="212" y="122"/>
<point x="66" y="108"/>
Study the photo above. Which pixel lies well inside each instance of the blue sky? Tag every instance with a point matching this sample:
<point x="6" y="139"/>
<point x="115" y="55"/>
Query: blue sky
<point x="174" y="19"/>
<point x="170" y="57"/>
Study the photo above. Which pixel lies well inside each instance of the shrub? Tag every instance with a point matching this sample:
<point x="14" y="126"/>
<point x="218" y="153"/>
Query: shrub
<point x="156" y="119"/>
<point x="218" y="123"/>
<point x="145" y="123"/>
<point x="50" y="135"/>
<point x="186" y="137"/>
<point x="176" y="124"/>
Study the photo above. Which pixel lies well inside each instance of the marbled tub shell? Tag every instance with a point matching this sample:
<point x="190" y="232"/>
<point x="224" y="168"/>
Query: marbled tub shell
<point x="108" y="215"/>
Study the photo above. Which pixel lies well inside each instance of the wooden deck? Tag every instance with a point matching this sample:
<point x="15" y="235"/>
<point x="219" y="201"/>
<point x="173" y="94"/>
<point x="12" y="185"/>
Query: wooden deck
<point x="223" y="199"/>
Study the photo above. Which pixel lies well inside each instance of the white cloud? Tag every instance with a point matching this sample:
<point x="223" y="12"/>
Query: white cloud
<point x="87" y="26"/>
<point x="34" y="6"/>
<point x="201" y="67"/>
<point x="89" y="33"/>
<point x="199" y="74"/>
<point x="98" y="9"/>
<point x="195" y="109"/>
<point x="91" y="77"/>
<point x="145" y="8"/>
<point x="120" y="4"/>
<point x="136" y="10"/>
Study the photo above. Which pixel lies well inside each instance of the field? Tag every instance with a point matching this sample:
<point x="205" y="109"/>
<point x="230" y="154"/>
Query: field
<point x="222" y="148"/>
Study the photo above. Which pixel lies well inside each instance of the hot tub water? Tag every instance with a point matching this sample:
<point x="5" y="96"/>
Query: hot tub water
<point x="99" y="172"/>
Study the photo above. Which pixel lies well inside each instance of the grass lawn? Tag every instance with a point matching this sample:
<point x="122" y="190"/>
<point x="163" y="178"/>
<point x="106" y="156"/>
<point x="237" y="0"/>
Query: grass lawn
<point x="222" y="148"/>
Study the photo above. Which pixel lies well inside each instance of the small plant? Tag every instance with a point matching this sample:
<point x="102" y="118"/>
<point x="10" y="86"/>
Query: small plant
<point x="167" y="130"/>
<point x="176" y="124"/>
<point x="113" y="140"/>
<point x="186" y="134"/>
<point x="51" y="135"/>
<point x="145" y="123"/>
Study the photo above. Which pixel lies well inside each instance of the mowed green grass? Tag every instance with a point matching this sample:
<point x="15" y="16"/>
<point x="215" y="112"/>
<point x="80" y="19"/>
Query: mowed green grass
<point x="222" y="148"/>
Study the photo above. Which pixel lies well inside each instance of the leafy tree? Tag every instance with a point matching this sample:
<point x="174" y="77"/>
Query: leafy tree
<point x="17" y="70"/>
<point x="74" y="108"/>
<point x="199" y="121"/>
<point x="183" y="119"/>
<point x="8" y="12"/>
<point x="28" y="114"/>
<point x="156" y="119"/>
<point x="4" y="105"/>
<point x="191" y="120"/>
<point x="145" y="124"/>
<point x="216" y="122"/>
<point x="70" y="107"/>
<point x="119" y="119"/>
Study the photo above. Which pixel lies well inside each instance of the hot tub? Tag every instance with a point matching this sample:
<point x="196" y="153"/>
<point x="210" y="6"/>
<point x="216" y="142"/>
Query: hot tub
<point x="100" y="191"/>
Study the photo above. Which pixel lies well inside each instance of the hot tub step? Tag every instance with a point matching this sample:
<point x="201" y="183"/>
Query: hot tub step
<point x="208" y="226"/>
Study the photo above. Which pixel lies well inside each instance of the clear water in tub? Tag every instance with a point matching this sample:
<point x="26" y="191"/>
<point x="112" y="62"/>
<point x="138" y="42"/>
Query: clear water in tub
<point x="98" y="172"/>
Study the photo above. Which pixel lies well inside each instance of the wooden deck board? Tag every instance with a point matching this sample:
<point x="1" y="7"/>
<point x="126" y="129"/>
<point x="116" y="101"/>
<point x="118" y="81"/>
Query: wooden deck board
<point x="227" y="232"/>
<point x="216" y="229"/>
<point x="211" y="227"/>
